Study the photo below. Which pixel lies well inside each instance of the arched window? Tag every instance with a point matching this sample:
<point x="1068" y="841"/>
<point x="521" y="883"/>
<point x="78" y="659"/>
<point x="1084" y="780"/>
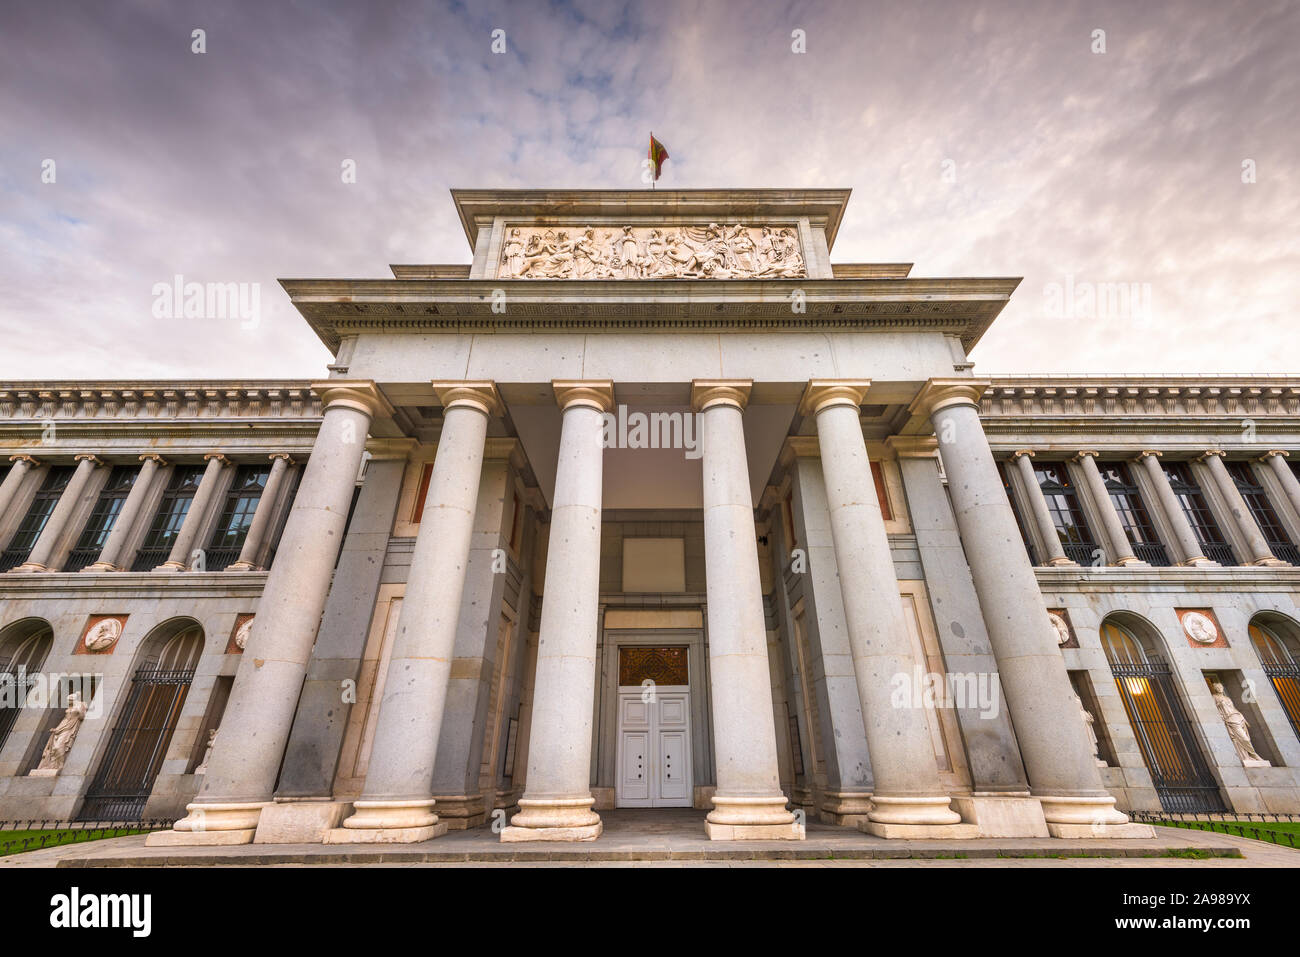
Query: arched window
<point x="1276" y="644"/>
<point x="24" y="646"/>
<point x="145" y="723"/>
<point x="1149" y="691"/>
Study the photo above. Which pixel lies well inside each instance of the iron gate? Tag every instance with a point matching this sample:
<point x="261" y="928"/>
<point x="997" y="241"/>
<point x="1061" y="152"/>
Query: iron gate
<point x="1286" y="682"/>
<point x="137" y="746"/>
<point x="1182" y="779"/>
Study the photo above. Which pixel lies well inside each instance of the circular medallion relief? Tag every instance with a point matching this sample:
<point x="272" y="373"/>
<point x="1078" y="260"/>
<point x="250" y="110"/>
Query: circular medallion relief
<point x="1062" y="628"/>
<point x="242" y="633"/>
<point x="103" y="634"/>
<point x="1200" y="627"/>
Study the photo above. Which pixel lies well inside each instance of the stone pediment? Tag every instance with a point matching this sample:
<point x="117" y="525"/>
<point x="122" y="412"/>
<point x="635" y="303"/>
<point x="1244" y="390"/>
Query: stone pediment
<point x="703" y="251"/>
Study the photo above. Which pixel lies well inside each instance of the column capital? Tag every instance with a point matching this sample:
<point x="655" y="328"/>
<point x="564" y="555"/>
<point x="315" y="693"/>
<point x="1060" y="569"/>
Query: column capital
<point x="1084" y="453"/>
<point x="913" y="446"/>
<point x="219" y="456"/>
<point x="940" y="393"/>
<point x="823" y="393"/>
<point x="478" y="394"/>
<point x="360" y="394"/>
<point x="387" y="449"/>
<point x="154" y="457"/>
<point x="597" y="394"/>
<point x="31" y="460"/>
<point x="288" y="459"/>
<point x="1208" y="453"/>
<point x="1022" y="453"/>
<point x="1283" y="453"/>
<point x="1154" y="453"/>
<point x="710" y="392"/>
<point x="94" y="460"/>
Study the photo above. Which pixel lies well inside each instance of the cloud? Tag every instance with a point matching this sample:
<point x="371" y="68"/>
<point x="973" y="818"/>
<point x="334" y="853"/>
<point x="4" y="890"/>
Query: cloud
<point x="1068" y="167"/>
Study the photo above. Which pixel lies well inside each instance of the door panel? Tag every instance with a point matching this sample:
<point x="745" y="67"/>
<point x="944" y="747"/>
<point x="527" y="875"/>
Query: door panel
<point x="634" y="779"/>
<point x="654" y="749"/>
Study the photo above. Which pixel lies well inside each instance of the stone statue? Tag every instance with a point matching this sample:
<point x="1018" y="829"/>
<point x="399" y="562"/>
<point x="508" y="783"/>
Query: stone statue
<point x="648" y="252"/>
<point x="1088" y="722"/>
<point x="1238" y="727"/>
<point x="207" y="754"/>
<point x="65" y="732"/>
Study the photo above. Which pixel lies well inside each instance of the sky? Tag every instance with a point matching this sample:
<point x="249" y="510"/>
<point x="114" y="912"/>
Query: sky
<point x="1144" y="179"/>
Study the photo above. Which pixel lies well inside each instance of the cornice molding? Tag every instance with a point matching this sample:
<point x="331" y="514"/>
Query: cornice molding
<point x="198" y="402"/>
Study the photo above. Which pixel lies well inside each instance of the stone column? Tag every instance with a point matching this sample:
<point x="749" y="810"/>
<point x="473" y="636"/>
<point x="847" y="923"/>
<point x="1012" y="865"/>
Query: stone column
<point x="1109" y="517"/>
<point x="1260" y="553"/>
<point x="557" y="800"/>
<point x="179" y="559"/>
<point x="1189" y="548"/>
<point x="396" y="805"/>
<point x="261" y="523"/>
<point x="1276" y="459"/>
<point x="41" y="555"/>
<point x="135" y="499"/>
<point x="748" y="803"/>
<point x="250" y="744"/>
<point x="1038" y="505"/>
<point x="22" y="464"/>
<point x="1057" y="753"/>
<point x="908" y="799"/>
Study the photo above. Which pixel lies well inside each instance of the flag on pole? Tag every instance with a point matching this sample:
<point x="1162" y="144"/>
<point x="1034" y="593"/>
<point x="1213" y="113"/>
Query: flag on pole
<point x="657" y="155"/>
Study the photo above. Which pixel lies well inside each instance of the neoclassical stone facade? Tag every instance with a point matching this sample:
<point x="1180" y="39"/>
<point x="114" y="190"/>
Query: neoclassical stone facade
<point x="651" y="505"/>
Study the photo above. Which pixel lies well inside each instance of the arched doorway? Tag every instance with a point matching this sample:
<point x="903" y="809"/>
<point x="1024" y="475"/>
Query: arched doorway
<point x="24" y="646"/>
<point x="1278" y="646"/>
<point x="139" y="740"/>
<point x="1147" y="687"/>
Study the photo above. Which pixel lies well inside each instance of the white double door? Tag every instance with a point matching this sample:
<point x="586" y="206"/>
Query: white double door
<point x="654" y="747"/>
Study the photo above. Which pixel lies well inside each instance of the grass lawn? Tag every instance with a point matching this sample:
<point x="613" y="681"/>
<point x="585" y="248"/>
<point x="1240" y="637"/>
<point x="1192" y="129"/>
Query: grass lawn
<point x="1258" y="830"/>
<point x="15" y="842"/>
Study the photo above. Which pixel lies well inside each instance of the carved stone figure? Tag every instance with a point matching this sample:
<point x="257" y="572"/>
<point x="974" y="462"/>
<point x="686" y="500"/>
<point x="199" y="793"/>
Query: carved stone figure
<point x="1061" y="627"/>
<point x="104" y="634"/>
<point x="648" y="252"/>
<point x="1088" y="722"/>
<point x="207" y="754"/>
<point x="242" y="633"/>
<point x="1238" y="727"/>
<point x="1200" y="627"/>
<point x="61" y="738"/>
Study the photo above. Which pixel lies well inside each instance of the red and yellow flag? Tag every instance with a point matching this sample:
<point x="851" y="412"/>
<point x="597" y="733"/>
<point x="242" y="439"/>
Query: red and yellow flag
<point x="657" y="155"/>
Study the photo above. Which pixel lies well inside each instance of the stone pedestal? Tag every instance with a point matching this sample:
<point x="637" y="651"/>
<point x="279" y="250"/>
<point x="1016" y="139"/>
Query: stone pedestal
<point x="1003" y="815"/>
<point x="557" y="802"/>
<point x="299" y="822"/>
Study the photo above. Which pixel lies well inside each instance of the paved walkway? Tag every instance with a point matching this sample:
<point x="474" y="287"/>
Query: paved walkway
<point x="675" y="838"/>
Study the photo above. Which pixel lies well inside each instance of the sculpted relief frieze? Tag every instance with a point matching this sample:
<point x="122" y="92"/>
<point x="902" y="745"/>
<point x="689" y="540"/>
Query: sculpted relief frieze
<point x="651" y="252"/>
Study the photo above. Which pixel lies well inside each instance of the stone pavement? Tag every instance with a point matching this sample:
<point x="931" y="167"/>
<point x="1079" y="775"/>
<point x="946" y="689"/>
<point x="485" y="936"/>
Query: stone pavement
<point x="675" y="837"/>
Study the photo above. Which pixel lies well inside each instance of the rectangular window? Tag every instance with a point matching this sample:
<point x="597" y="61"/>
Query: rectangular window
<point x="102" y="519"/>
<point x="38" y="513"/>
<point x="882" y="494"/>
<point x="1011" y="500"/>
<point x="236" y="517"/>
<point x="1213" y="545"/>
<point x="1262" y="509"/>
<point x="1133" y="515"/>
<point x="426" y="474"/>
<point x="167" y="521"/>
<point x="1067" y="514"/>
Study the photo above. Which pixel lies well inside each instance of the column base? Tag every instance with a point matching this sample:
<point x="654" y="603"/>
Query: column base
<point x="920" y="810"/>
<point x="299" y="822"/>
<point x="101" y="567"/>
<point x="517" y="835"/>
<point x="1061" y="562"/>
<point x="384" y="835"/>
<point x="167" y="568"/>
<point x="1078" y="816"/>
<point x="241" y="567"/>
<point x="391" y="815"/>
<point x="921" y="832"/>
<point x="212" y="824"/>
<point x="1200" y="561"/>
<point x="794" y="831"/>
<point x="31" y="567"/>
<point x="1130" y="562"/>
<point x="554" y="819"/>
<point x="1003" y="815"/>
<point x="844" y="808"/>
<point x="1266" y="562"/>
<point x="461" y="811"/>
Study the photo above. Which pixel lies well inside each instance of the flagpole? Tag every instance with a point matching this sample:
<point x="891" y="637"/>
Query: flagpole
<point x="653" y="177"/>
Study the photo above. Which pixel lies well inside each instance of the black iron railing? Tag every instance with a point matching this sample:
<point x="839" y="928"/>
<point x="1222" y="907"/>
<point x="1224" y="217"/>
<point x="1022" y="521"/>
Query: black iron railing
<point x="216" y="559"/>
<point x="147" y="559"/>
<point x="1221" y="553"/>
<point x="79" y="558"/>
<point x="1253" y="826"/>
<point x="1286" y="552"/>
<point x="1153" y="553"/>
<point x="47" y="833"/>
<point x="1081" y="552"/>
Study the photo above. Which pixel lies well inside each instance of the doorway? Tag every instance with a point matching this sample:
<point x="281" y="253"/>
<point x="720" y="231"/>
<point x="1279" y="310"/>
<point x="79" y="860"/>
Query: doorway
<point x="653" y="761"/>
